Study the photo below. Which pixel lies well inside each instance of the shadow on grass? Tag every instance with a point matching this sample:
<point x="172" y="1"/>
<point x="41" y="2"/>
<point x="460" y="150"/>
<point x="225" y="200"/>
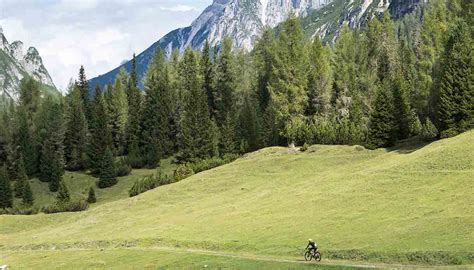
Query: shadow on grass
<point x="409" y="145"/>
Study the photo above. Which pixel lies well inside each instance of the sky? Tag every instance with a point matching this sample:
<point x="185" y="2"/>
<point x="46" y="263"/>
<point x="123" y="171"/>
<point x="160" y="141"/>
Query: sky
<point x="99" y="34"/>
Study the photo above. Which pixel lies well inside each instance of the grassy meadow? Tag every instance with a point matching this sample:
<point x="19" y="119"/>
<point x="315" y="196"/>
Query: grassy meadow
<point x="407" y="205"/>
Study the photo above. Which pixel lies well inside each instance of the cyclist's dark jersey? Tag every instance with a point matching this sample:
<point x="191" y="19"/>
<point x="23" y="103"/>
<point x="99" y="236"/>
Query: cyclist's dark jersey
<point x="312" y="245"/>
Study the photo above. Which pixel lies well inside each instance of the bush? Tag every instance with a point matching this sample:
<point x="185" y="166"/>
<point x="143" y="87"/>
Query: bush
<point x="429" y="132"/>
<point x="149" y="183"/>
<point x="20" y="210"/>
<point x="122" y="167"/>
<point x="210" y="163"/>
<point x="75" y="206"/>
<point x="91" y="196"/>
<point x="183" y="171"/>
<point x="135" y="159"/>
<point x="415" y="124"/>
<point x="449" y="133"/>
<point x="304" y="148"/>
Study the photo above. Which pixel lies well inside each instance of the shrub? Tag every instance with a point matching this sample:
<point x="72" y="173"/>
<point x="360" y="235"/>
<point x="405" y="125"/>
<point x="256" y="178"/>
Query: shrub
<point x="429" y="132"/>
<point x="135" y="159"/>
<point x="210" y="163"/>
<point x="91" y="196"/>
<point x="304" y="148"/>
<point x="75" y="206"/>
<point x="148" y="183"/>
<point x="122" y="167"/>
<point x="63" y="193"/>
<point x="415" y="124"/>
<point x="183" y="171"/>
<point x="449" y="133"/>
<point x="20" y="210"/>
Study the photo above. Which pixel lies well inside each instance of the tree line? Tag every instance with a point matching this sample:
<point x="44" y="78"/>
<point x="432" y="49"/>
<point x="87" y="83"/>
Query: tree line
<point x="375" y="86"/>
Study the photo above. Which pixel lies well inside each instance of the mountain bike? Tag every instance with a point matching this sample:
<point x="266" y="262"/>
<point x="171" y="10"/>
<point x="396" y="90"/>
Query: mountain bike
<point x="312" y="254"/>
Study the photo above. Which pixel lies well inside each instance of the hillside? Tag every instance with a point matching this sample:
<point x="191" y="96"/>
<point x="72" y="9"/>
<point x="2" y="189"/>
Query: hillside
<point x="406" y="205"/>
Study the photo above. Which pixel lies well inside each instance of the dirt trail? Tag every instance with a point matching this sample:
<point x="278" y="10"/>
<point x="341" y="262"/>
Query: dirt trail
<point x="361" y="265"/>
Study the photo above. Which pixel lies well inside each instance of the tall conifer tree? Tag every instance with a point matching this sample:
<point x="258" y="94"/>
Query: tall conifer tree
<point x="456" y="97"/>
<point x="75" y="143"/>
<point x="198" y="137"/>
<point x="100" y="133"/>
<point x="6" y="196"/>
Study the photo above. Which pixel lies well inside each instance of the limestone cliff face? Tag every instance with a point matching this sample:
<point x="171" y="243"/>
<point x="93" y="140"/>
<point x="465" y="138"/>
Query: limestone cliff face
<point x="244" y="20"/>
<point x="15" y="64"/>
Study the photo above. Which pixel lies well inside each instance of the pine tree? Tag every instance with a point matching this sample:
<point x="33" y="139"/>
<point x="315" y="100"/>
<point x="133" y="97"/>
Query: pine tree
<point x="288" y="80"/>
<point x="29" y="96"/>
<point x="344" y="66"/>
<point x="456" y="97"/>
<point x="15" y="164"/>
<point x="177" y="103"/>
<point x="27" y="197"/>
<point x="107" y="176"/>
<point x="101" y="138"/>
<point x="429" y="50"/>
<point x="134" y="114"/>
<point x="6" y="198"/>
<point x="75" y="141"/>
<point x="208" y="75"/>
<point x="227" y="140"/>
<point x="157" y="111"/>
<point x="319" y="80"/>
<point x="383" y="126"/>
<point x="83" y="86"/>
<point x="16" y="169"/>
<point x="402" y="107"/>
<point x="248" y="125"/>
<point x="63" y="193"/>
<point x="25" y="140"/>
<point x="91" y="196"/>
<point x="52" y="149"/>
<point x="264" y="53"/>
<point x="198" y="137"/>
<point x="19" y="188"/>
<point x="117" y="111"/>
<point x="225" y="83"/>
<point x="24" y="135"/>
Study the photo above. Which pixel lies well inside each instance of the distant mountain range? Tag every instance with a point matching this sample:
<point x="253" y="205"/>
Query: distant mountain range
<point x="244" y="20"/>
<point x="15" y="64"/>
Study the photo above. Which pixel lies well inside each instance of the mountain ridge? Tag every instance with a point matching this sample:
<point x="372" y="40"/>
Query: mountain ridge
<point x="244" y="20"/>
<point x="16" y="64"/>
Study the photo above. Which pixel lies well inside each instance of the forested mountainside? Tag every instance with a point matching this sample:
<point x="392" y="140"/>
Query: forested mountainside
<point x="243" y="21"/>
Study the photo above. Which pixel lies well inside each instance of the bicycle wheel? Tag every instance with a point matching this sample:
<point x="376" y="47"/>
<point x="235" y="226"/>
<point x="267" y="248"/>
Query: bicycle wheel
<point x="308" y="256"/>
<point x="317" y="256"/>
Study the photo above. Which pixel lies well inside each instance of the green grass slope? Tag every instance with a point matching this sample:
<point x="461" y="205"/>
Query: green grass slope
<point x="78" y="184"/>
<point x="403" y="206"/>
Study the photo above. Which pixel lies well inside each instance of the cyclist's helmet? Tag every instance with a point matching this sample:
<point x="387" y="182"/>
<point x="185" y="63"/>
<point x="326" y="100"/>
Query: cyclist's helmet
<point x="310" y="240"/>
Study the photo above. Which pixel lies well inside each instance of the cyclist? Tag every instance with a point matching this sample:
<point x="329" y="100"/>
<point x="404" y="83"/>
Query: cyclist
<point x="312" y="246"/>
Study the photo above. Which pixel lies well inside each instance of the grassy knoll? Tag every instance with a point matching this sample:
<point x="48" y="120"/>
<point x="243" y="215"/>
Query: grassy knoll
<point x="396" y="206"/>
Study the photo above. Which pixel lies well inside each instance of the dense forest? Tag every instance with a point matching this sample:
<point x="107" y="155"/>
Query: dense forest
<point x="374" y="86"/>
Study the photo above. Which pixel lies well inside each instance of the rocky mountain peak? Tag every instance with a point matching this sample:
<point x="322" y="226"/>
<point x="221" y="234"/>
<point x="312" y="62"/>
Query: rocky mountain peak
<point x="16" y="64"/>
<point x="16" y="50"/>
<point x="244" y="20"/>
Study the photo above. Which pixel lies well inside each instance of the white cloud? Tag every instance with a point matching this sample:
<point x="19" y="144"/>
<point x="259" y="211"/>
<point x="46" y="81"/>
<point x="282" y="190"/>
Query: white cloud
<point x="83" y="5"/>
<point x="179" y="8"/>
<point x="93" y="33"/>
